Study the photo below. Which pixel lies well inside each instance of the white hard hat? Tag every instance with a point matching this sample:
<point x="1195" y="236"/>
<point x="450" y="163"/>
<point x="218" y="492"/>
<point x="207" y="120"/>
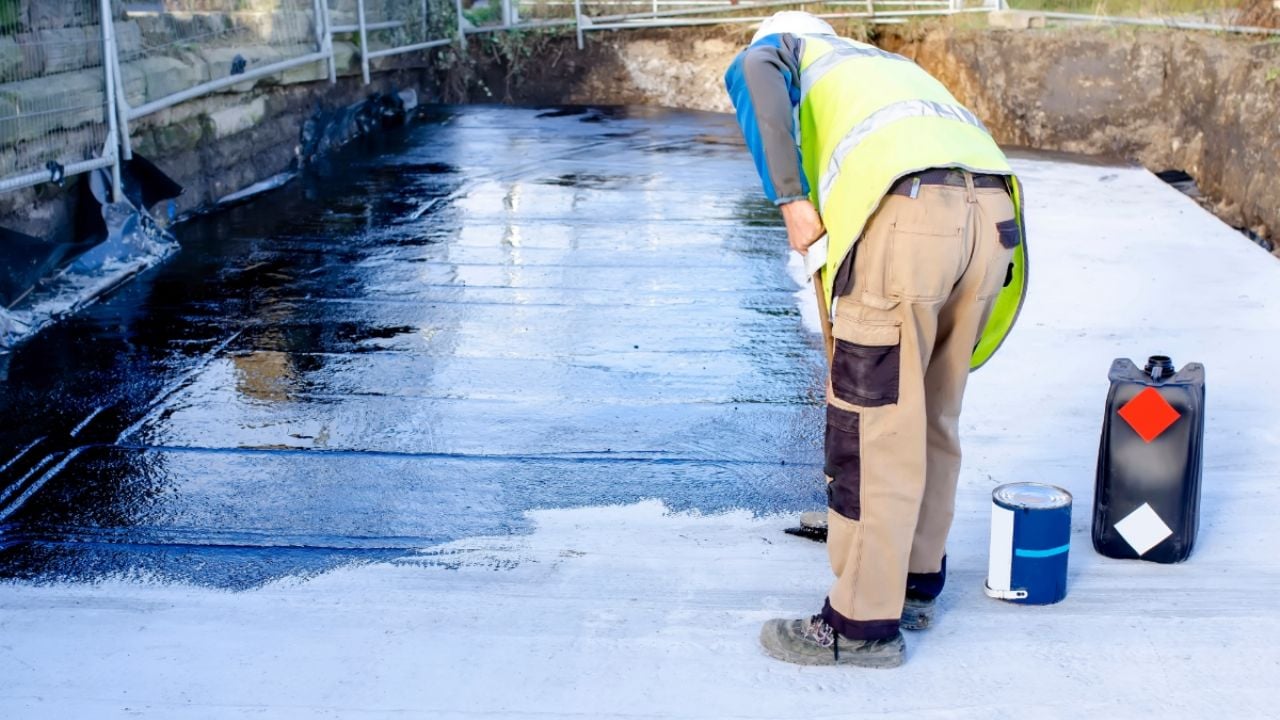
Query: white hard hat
<point x="795" y="22"/>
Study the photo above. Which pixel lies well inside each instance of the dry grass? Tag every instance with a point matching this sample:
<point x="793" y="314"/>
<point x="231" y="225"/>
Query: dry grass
<point x="1212" y="10"/>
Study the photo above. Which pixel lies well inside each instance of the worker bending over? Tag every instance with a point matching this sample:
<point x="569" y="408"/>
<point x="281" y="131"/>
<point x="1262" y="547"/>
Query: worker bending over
<point x="926" y="268"/>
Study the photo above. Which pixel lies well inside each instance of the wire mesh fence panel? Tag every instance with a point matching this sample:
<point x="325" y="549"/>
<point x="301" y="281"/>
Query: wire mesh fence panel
<point x="490" y="13"/>
<point x="168" y="48"/>
<point x="542" y="10"/>
<point x="618" y="13"/>
<point x="394" y="26"/>
<point x="1260" y="17"/>
<point x="53" y="109"/>
<point x="1204" y="10"/>
<point x="619" y="7"/>
<point x="561" y="9"/>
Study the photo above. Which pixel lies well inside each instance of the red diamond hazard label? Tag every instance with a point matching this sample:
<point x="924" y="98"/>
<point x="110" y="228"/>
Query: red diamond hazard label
<point x="1149" y="414"/>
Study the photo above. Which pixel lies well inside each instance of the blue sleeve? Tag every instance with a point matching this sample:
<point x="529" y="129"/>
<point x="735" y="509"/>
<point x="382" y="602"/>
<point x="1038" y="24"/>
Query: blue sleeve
<point x="763" y="84"/>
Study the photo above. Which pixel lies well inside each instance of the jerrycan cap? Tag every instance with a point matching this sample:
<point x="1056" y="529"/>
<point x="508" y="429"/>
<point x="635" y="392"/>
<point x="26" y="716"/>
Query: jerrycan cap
<point x="1159" y="367"/>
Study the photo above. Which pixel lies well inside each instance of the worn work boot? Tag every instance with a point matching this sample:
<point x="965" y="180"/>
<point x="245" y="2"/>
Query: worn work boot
<point x="814" y="642"/>
<point x="917" y="614"/>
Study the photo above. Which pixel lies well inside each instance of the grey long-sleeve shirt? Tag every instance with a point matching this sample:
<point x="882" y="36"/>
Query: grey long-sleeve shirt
<point x="764" y="85"/>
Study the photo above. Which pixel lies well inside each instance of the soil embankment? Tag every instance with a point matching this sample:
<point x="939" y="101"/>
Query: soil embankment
<point x="1206" y="104"/>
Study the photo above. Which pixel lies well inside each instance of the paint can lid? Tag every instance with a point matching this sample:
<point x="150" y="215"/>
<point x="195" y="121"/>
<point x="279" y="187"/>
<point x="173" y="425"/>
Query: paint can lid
<point x="1031" y="496"/>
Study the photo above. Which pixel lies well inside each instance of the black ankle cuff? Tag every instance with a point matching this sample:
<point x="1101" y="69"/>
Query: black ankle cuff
<point x="859" y="629"/>
<point x="927" y="586"/>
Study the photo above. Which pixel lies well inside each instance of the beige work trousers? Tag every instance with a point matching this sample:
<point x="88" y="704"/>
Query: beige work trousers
<point x="926" y="274"/>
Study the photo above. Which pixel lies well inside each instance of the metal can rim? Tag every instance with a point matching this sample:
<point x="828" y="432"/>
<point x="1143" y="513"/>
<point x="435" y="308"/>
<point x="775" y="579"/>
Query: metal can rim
<point x="1046" y="496"/>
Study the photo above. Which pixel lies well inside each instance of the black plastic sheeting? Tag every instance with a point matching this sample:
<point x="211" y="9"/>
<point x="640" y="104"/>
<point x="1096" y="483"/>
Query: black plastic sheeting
<point x="1186" y="184"/>
<point x="26" y="260"/>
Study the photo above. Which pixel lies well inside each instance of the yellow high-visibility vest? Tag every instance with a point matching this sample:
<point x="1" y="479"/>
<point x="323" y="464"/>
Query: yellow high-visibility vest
<point x="868" y="117"/>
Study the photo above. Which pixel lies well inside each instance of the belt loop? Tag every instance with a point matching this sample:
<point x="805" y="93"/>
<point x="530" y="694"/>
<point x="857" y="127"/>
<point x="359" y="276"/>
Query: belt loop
<point x="968" y="187"/>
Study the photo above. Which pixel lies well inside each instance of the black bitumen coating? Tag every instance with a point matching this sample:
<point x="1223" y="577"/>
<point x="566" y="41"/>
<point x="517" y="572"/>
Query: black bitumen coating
<point x="489" y="311"/>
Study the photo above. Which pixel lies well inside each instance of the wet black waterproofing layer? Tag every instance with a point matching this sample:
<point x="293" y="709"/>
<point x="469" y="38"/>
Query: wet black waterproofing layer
<point x="488" y="311"/>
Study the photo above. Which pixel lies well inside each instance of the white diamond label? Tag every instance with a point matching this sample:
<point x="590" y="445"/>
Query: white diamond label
<point x="1143" y="529"/>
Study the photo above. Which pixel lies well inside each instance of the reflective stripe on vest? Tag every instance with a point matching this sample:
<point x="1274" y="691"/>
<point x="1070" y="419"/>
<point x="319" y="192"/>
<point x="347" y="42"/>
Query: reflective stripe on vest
<point x="882" y="117"/>
<point x="838" y="55"/>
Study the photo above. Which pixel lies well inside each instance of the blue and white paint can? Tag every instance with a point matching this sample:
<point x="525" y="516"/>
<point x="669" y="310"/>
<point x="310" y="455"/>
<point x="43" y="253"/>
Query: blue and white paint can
<point x="1030" y="537"/>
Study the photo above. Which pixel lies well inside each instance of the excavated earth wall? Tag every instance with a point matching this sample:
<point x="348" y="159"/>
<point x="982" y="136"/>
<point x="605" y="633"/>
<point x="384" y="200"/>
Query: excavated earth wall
<point x="1198" y="102"/>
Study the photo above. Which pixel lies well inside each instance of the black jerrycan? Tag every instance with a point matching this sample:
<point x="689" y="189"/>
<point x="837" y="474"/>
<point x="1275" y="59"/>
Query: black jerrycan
<point x="1146" y="502"/>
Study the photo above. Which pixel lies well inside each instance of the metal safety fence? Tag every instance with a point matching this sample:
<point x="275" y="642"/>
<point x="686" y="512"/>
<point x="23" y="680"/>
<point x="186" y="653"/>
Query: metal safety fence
<point x="394" y="27"/>
<point x="172" y="51"/>
<point x="71" y="84"/>
<point x="1248" y="17"/>
<point x="606" y="15"/>
<point x="55" y="101"/>
<point x="1222" y="23"/>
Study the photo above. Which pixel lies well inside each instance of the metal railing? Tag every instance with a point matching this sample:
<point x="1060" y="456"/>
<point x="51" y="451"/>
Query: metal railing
<point x="710" y="13"/>
<point x="56" y="101"/>
<point x="395" y="27"/>
<point x="189" y="48"/>
<point x="1169" y="22"/>
<point x="71" y="84"/>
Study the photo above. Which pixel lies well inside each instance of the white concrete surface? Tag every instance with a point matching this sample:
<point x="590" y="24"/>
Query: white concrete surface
<point x="633" y="612"/>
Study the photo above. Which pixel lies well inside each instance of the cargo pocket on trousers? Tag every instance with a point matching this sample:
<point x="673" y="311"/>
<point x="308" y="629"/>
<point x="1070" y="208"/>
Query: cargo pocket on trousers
<point x="843" y="463"/>
<point x="1010" y="234"/>
<point x="864" y="371"/>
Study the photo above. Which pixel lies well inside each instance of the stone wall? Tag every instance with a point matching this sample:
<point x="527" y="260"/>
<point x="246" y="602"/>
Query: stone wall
<point x="222" y="143"/>
<point x="214" y="145"/>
